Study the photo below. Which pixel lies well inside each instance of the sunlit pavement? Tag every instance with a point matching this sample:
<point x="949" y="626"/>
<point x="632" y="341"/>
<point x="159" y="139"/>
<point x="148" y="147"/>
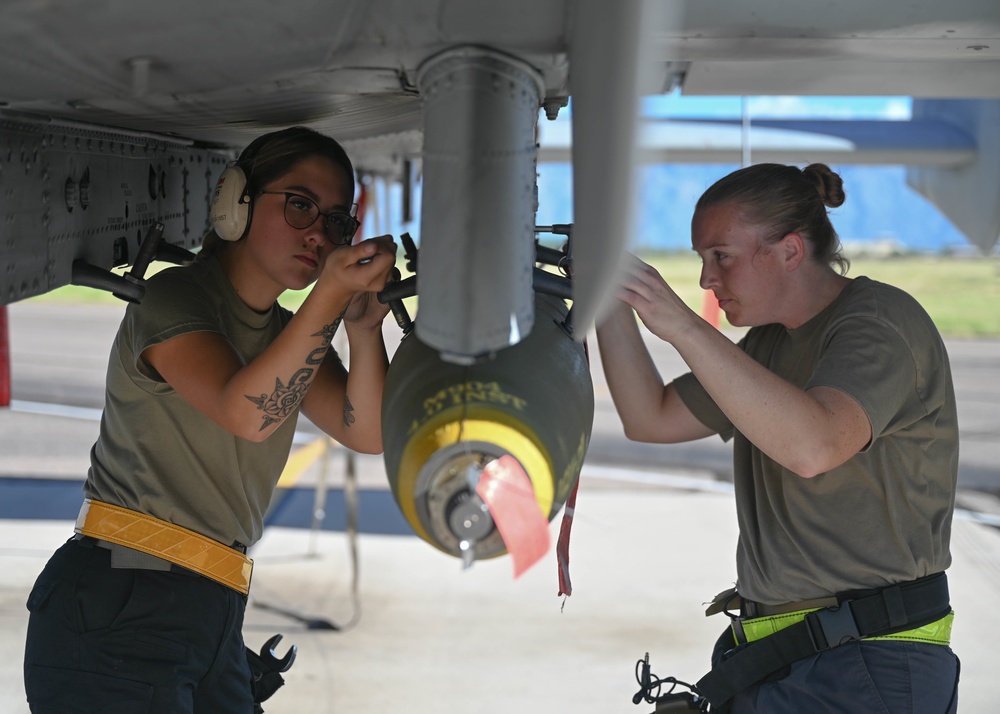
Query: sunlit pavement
<point x="434" y="638"/>
<point x="651" y="542"/>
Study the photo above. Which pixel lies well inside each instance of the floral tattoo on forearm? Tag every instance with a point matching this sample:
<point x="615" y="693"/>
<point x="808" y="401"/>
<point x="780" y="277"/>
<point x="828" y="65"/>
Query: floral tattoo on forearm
<point x="287" y="397"/>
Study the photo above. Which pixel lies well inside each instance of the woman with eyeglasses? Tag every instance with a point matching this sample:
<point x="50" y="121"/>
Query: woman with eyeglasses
<point x="141" y="611"/>
<point x="840" y="405"/>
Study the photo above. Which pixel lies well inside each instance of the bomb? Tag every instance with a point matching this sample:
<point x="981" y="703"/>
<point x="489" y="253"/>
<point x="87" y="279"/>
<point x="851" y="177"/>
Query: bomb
<point x="443" y="423"/>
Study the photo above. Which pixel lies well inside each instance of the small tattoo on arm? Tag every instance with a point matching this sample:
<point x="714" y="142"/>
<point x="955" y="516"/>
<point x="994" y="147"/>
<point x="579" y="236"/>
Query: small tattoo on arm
<point x="286" y="398"/>
<point x="348" y="412"/>
<point x="327" y="333"/>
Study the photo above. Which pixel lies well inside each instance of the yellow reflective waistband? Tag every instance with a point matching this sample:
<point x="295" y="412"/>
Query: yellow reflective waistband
<point x="935" y="633"/>
<point x="173" y="543"/>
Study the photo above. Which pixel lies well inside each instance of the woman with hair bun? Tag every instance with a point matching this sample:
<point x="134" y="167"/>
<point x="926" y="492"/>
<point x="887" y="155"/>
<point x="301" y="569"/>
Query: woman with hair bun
<point x="840" y="405"/>
<point x="142" y="609"/>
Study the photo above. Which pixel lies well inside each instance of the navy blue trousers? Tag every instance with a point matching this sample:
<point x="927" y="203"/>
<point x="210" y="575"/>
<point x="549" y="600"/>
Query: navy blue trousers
<point x="868" y="677"/>
<point x="131" y="641"/>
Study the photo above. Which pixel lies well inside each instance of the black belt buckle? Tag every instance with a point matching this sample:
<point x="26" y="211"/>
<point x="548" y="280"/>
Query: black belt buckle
<point x="834" y="625"/>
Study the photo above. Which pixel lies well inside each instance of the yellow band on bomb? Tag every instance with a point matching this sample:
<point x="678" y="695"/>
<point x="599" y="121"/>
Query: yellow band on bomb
<point x="486" y="426"/>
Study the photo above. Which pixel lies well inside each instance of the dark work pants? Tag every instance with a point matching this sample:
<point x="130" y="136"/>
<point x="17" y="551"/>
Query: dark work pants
<point x="132" y="641"/>
<point x="869" y="677"/>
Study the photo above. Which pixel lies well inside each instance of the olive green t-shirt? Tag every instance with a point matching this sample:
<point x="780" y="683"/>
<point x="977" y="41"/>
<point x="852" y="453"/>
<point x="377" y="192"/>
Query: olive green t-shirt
<point x="159" y="455"/>
<point x="885" y="515"/>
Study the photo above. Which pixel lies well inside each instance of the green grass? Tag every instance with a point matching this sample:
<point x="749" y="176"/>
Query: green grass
<point x="75" y="294"/>
<point x="962" y="295"/>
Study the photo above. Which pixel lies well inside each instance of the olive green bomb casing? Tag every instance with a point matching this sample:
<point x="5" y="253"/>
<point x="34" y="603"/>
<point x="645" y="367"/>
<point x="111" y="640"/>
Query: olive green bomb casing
<point x="442" y="423"/>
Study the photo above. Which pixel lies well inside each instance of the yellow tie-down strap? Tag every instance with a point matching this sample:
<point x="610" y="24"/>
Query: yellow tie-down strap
<point x="176" y="544"/>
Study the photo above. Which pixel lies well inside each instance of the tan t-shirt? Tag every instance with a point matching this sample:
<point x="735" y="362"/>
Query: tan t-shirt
<point x="159" y="455"/>
<point x="885" y="515"/>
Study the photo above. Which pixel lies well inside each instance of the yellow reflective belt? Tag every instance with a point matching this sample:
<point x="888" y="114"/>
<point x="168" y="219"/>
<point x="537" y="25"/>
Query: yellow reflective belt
<point x="173" y="543"/>
<point x="936" y="633"/>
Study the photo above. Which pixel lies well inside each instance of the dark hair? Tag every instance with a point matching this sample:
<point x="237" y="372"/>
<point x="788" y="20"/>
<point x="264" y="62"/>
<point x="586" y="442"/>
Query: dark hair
<point x="786" y="199"/>
<point x="272" y="155"/>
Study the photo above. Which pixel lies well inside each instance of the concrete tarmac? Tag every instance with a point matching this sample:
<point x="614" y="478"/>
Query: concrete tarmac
<point x="653" y="539"/>
<point x="59" y="355"/>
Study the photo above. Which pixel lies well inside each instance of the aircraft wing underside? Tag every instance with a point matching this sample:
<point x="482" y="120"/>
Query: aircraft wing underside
<point x="117" y="115"/>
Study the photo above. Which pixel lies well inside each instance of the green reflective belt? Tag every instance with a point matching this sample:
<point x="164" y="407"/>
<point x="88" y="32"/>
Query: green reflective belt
<point x="935" y="633"/>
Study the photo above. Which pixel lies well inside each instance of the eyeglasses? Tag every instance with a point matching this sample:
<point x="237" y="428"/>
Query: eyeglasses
<point x="301" y="212"/>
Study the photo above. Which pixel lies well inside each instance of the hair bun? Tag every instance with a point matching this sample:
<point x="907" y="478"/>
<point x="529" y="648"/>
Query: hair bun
<point x="828" y="183"/>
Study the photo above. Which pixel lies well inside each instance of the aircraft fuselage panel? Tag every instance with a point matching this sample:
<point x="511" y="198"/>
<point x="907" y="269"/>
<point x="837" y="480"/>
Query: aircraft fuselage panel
<point x="91" y="194"/>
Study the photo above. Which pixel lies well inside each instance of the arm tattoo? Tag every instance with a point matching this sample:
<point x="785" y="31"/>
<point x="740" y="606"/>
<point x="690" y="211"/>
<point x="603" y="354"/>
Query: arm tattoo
<point x="348" y="411"/>
<point x="280" y="403"/>
<point x="286" y="398"/>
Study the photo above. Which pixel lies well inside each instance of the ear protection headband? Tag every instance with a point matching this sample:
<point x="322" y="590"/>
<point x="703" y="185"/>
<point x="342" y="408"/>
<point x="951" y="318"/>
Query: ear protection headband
<point x="230" y="209"/>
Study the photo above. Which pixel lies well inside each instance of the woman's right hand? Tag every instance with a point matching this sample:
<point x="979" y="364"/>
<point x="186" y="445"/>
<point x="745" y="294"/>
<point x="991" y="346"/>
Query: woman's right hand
<point x="364" y="267"/>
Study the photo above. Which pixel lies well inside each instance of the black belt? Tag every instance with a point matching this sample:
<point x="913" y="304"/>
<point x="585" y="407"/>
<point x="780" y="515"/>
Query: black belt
<point x="870" y="613"/>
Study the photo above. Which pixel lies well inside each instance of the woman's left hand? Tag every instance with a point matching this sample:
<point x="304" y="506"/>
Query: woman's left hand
<point x="653" y="300"/>
<point x="365" y="310"/>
